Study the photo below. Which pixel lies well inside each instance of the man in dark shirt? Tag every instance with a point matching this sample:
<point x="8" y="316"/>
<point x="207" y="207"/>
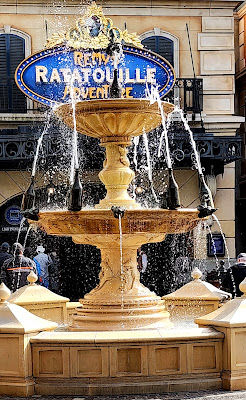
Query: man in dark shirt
<point x="4" y="253"/>
<point x="236" y="273"/>
<point x="15" y="270"/>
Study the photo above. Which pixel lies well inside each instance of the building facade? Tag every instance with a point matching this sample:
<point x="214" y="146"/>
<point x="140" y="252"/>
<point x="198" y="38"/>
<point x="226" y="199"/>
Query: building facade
<point x="198" y="37"/>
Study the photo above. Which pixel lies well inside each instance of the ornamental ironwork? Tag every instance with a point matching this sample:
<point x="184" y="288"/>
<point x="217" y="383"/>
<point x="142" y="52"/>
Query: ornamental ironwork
<point x="189" y="93"/>
<point x="22" y="147"/>
<point x="226" y="149"/>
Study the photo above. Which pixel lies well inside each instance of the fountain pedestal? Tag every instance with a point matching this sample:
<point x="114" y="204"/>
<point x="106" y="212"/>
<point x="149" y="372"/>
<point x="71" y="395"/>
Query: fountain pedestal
<point x="116" y="174"/>
<point x="120" y="300"/>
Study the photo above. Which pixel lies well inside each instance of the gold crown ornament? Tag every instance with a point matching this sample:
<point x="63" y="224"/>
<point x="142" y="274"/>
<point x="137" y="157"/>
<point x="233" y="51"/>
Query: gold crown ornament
<point x="92" y="31"/>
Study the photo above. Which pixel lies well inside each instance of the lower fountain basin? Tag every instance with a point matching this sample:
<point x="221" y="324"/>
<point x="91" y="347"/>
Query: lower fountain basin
<point x="85" y="225"/>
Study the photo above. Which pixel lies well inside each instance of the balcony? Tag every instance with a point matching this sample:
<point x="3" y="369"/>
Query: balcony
<point x="215" y="151"/>
<point x="17" y="149"/>
<point x="189" y="91"/>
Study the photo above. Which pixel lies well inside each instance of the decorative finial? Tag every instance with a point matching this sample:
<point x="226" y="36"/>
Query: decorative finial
<point x="4" y="293"/>
<point x="196" y="274"/>
<point x="32" y="278"/>
<point x="242" y="287"/>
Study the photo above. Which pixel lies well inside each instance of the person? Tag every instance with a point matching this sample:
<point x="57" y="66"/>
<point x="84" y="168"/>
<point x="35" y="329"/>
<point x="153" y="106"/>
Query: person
<point x="15" y="270"/>
<point x="42" y="262"/>
<point x="236" y="272"/>
<point x="54" y="271"/>
<point x="4" y="253"/>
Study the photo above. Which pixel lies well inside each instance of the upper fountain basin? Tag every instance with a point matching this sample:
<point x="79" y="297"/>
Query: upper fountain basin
<point x="120" y="118"/>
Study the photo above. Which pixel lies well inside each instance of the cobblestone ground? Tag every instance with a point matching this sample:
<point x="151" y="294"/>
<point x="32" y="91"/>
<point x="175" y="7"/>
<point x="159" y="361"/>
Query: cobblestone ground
<point x="201" y="395"/>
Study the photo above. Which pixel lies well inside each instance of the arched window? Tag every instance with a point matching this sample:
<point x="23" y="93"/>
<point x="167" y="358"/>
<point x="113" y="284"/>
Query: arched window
<point x="163" y="43"/>
<point x="14" y="47"/>
<point x="160" y="45"/>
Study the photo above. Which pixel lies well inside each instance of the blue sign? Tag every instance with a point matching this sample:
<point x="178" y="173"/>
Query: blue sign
<point x="215" y="245"/>
<point x="13" y="215"/>
<point x="53" y="75"/>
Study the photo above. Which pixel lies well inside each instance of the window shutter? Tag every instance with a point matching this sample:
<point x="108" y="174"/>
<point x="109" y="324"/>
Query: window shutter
<point x="17" y="54"/>
<point x="3" y="75"/>
<point x="160" y="45"/>
<point x="12" y="52"/>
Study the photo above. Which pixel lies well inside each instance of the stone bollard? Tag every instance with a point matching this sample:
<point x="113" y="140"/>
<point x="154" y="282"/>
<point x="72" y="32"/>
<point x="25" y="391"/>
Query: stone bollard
<point x="17" y="327"/>
<point x="231" y="320"/>
<point x="41" y="301"/>
<point x="194" y="299"/>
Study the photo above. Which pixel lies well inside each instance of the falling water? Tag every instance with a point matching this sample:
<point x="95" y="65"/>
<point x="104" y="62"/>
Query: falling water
<point x="40" y="139"/>
<point x="135" y="142"/>
<point x="215" y="256"/>
<point x="17" y="241"/>
<point x="121" y="263"/>
<point x="149" y="166"/>
<point x="25" y="240"/>
<point x="19" y="231"/>
<point x="135" y="160"/>
<point x="75" y="158"/>
<point x="227" y="254"/>
<point x="24" y="246"/>
<point x="193" y="143"/>
<point x="153" y="97"/>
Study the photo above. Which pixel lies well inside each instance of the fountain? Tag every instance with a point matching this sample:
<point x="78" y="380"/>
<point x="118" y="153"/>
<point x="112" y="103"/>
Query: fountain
<point x="121" y="339"/>
<point x="119" y="300"/>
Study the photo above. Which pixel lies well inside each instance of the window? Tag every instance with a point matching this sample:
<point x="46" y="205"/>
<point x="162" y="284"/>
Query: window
<point x="160" y="45"/>
<point x="163" y="43"/>
<point x="12" y="52"/>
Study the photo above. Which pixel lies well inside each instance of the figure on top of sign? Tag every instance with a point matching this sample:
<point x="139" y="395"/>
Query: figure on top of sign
<point x="94" y="25"/>
<point x="92" y="31"/>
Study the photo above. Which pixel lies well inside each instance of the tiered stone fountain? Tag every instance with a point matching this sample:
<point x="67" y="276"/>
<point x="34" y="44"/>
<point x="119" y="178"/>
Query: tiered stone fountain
<point x="118" y="341"/>
<point x="120" y="301"/>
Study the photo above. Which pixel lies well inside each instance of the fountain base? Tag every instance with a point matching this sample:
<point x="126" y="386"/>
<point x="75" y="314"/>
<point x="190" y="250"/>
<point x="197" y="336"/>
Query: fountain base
<point x="145" y="314"/>
<point x="129" y="362"/>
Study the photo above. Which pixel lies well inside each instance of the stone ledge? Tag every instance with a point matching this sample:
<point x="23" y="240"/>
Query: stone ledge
<point x="126" y="336"/>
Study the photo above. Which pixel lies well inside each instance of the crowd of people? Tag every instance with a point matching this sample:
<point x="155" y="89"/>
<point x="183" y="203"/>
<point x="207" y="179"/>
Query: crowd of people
<point x="15" y="267"/>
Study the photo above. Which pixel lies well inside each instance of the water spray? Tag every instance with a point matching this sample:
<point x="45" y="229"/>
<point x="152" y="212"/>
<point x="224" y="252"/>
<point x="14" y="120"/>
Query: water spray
<point x="171" y="198"/>
<point x="28" y="200"/>
<point x="206" y="207"/>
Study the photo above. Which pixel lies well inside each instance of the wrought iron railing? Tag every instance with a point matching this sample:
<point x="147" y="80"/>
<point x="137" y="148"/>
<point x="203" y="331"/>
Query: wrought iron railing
<point x="19" y="150"/>
<point x="189" y="92"/>
<point x="227" y="148"/>
<point x="20" y="147"/>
